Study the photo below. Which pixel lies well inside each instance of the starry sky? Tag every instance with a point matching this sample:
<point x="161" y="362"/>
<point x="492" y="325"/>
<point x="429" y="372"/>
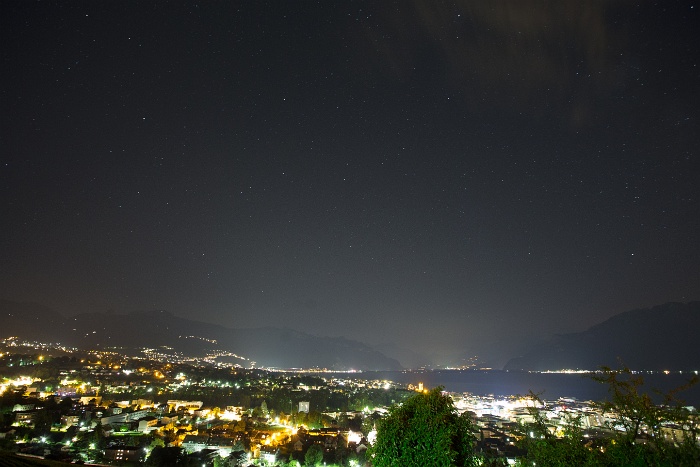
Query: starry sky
<point x="455" y="178"/>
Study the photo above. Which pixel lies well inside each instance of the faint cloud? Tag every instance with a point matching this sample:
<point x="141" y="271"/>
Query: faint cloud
<point x="536" y="56"/>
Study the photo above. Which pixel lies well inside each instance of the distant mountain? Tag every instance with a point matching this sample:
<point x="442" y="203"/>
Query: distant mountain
<point x="407" y="357"/>
<point x="267" y="346"/>
<point x="29" y="320"/>
<point x="664" y="337"/>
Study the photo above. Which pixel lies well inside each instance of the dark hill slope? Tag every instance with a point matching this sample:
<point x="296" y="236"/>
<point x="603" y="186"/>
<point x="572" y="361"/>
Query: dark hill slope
<point x="30" y="321"/>
<point x="268" y="346"/>
<point x="665" y="337"/>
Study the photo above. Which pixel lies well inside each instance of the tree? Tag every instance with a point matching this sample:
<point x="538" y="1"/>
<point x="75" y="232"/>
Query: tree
<point x="166" y="457"/>
<point x="545" y="449"/>
<point x="667" y="432"/>
<point x="341" y="455"/>
<point x="231" y="461"/>
<point x="240" y="426"/>
<point x="314" y="455"/>
<point x="156" y="443"/>
<point x="425" y="430"/>
<point x="44" y="420"/>
<point x="169" y="436"/>
<point x="314" y="419"/>
<point x="638" y="416"/>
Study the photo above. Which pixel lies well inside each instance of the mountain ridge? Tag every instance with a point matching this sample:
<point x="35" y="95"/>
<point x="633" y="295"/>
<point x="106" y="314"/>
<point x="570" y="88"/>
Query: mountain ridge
<point x="663" y="337"/>
<point x="267" y="345"/>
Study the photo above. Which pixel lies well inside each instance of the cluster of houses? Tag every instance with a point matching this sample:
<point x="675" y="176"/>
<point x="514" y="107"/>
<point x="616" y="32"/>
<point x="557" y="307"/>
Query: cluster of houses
<point x="199" y="431"/>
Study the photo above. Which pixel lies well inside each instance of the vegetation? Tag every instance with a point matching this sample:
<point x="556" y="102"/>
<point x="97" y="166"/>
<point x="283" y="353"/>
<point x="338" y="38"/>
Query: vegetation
<point x="425" y="430"/>
<point x="639" y="428"/>
<point x="314" y="455"/>
<point x="639" y="432"/>
<point x="13" y="460"/>
<point x="163" y="456"/>
<point x="546" y="449"/>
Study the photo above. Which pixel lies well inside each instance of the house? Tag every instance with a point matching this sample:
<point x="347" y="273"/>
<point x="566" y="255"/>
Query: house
<point x="268" y="454"/>
<point x="147" y="424"/>
<point x="189" y="405"/>
<point x="87" y="400"/>
<point x="142" y="403"/>
<point x="70" y="420"/>
<point x="168" y="422"/>
<point x="124" y="454"/>
<point x="25" y="418"/>
<point x="194" y="443"/>
<point x="124" y="417"/>
<point x="23" y="407"/>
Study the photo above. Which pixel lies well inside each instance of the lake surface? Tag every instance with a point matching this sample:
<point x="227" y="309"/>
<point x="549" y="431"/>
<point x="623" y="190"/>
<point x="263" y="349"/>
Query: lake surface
<point x="551" y="385"/>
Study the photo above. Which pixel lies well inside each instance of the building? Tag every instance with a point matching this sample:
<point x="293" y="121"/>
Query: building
<point x="70" y="420"/>
<point x="189" y="405"/>
<point x="23" y="407"/>
<point x="147" y="424"/>
<point x="86" y="400"/>
<point x="124" y="454"/>
<point x="194" y="443"/>
<point x="25" y="418"/>
<point x="124" y="417"/>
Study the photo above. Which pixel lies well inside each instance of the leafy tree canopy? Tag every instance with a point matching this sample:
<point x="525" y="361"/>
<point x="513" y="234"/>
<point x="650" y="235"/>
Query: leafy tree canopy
<point x="641" y="433"/>
<point x="425" y="430"/>
<point x="314" y="455"/>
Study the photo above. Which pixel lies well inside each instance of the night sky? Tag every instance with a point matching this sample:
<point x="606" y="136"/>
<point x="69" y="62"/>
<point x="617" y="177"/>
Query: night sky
<point x="452" y="177"/>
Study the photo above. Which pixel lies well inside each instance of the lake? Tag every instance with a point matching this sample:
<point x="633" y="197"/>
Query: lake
<point x="551" y="385"/>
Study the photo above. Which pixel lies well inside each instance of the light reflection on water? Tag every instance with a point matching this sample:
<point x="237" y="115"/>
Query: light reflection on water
<point x="551" y="385"/>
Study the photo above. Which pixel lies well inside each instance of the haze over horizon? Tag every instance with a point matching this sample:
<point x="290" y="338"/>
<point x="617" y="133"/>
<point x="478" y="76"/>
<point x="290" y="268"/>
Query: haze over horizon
<point x="454" y="178"/>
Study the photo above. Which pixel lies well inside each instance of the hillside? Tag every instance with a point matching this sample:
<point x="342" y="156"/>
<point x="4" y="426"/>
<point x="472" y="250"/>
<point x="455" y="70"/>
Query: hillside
<point x="268" y="346"/>
<point x="664" y="337"/>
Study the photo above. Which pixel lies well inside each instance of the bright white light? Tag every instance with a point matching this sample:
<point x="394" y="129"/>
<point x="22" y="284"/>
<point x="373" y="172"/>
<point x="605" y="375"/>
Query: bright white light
<point x="22" y="381"/>
<point x="354" y="437"/>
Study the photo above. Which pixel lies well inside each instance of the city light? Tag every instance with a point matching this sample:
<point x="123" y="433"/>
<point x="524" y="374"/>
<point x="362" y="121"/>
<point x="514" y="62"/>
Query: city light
<point x="122" y="415"/>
